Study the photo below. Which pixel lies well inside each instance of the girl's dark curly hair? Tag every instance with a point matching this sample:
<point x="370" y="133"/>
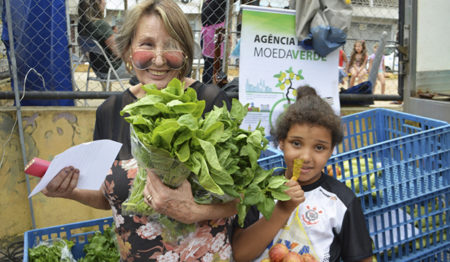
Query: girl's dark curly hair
<point x="311" y="109"/>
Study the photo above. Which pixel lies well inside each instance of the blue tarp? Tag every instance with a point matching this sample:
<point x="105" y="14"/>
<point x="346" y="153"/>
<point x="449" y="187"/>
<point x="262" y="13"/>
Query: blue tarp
<point x="41" y="43"/>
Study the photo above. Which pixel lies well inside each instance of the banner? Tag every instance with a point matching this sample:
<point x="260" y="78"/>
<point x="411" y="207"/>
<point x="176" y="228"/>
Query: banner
<point x="273" y="65"/>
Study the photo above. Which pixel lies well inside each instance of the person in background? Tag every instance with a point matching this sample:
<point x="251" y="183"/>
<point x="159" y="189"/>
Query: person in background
<point x="323" y="217"/>
<point x="92" y="24"/>
<point x="342" y="61"/>
<point x="381" y="69"/>
<point x="156" y="41"/>
<point x="115" y="29"/>
<point x="213" y="17"/>
<point x="358" y="62"/>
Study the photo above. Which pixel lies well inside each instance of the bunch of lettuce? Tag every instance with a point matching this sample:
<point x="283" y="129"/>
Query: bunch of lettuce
<point x="50" y="250"/>
<point x="170" y="136"/>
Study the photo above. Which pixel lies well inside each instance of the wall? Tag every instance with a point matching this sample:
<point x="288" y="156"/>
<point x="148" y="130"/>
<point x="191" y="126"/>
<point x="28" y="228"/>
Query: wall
<point x="48" y="131"/>
<point x="433" y="53"/>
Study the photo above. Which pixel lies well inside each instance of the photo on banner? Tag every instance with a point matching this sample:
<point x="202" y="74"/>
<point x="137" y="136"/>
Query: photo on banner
<point x="273" y="65"/>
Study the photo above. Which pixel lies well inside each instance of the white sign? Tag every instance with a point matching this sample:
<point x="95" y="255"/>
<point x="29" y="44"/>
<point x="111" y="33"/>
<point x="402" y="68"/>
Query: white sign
<point x="273" y="66"/>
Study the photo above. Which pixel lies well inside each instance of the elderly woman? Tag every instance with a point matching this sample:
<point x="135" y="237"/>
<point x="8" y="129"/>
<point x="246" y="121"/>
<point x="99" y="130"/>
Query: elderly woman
<point x="156" y="42"/>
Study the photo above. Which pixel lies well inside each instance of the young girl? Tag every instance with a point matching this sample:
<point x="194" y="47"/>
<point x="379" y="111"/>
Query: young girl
<point x="381" y="69"/>
<point x="358" y="62"/>
<point x="323" y="218"/>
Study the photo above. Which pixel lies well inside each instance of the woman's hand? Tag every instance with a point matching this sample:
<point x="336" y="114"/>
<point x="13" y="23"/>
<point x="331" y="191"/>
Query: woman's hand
<point x="176" y="203"/>
<point x="297" y="195"/>
<point x="63" y="184"/>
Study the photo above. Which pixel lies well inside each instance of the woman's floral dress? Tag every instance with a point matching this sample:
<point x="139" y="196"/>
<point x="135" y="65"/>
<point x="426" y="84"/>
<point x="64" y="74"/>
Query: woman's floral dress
<point x="140" y="239"/>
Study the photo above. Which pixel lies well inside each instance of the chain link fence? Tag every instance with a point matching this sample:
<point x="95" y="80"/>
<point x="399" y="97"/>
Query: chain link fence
<point x="49" y="56"/>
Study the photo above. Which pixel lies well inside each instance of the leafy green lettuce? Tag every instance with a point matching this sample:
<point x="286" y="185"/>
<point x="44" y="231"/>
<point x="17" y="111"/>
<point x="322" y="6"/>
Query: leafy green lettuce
<point x="219" y="158"/>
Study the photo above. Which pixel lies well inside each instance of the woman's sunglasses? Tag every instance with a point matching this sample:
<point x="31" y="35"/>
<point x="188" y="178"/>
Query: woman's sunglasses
<point x="143" y="59"/>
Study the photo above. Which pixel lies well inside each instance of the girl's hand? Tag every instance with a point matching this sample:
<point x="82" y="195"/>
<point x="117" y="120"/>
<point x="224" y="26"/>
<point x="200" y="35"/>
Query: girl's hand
<point x="297" y="195"/>
<point x="63" y="184"/>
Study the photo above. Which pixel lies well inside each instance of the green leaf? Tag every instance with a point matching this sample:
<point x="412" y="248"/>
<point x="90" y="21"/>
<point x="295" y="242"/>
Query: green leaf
<point x="211" y="118"/>
<point x="238" y="111"/>
<point x="184" y="152"/>
<point x="188" y="121"/>
<point x="205" y="178"/>
<point x="149" y="87"/>
<point x="242" y="213"/>
<point x="261" y="175"/>
<point x="266" y="207"/>
<point x="230" y="190"/>
<point x="221" y="177"/>
<point x="187" y="108"/>
<point x="253" y="156"/>
<point x="190" y="95"/>
<point x="165" y="132"/>
<point x="214" y="133"/>
<point x="210" y="154"/>
<point x="253" y="195"/>
<point x="277" y="181"/>
<point x="280" y="195"/>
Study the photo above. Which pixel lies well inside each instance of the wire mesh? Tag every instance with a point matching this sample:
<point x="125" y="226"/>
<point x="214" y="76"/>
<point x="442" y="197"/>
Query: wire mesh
<point x="58" y="57"/>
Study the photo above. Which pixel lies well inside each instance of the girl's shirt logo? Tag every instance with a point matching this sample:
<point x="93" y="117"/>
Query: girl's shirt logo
<point x="311" y="216"/>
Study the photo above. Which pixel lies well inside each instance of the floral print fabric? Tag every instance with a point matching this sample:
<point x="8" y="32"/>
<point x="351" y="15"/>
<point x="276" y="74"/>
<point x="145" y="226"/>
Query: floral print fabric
<point x="141" y="239"/>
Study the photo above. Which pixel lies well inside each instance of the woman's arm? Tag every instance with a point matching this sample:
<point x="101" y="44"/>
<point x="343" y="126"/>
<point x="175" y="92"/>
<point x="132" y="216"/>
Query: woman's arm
<point x="64" y="184"/>
<point x="367" y="259"/>
<point x="179" y="203"/>
<point x="111" y="44"/>
<point x="250" y="242"/>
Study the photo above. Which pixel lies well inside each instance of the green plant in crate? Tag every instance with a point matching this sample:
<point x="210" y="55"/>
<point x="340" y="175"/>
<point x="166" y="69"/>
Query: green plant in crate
<point x="101" y="247"/>
<point x="54" y="250"/>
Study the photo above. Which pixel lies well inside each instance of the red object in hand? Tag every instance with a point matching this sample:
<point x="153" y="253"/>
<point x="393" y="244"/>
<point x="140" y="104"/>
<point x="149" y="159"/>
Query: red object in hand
<point x="37" y="167"/>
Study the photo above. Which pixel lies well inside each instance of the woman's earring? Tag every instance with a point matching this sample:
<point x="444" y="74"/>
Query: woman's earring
<point x="129" y="66"/>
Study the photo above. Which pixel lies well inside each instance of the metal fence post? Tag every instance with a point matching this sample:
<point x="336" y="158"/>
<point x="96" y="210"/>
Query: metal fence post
<point x="17" y="101"/>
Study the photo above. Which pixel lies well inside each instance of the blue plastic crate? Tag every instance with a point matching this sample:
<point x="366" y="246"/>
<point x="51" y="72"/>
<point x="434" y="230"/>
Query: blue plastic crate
<point x="77" y="232"/>
<point x="271" y="158"/>
<point x="398" y="164"/>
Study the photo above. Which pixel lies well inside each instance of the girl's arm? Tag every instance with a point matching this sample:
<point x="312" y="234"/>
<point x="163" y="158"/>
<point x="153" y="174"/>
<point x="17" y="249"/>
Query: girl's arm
<point x="370" y="64"/>
<point x="364" y="64"/>
<point x="249" y="243"/>
<point x="347" y="68"/>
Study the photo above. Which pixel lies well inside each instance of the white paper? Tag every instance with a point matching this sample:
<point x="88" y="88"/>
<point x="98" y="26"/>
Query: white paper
<point x="93" y="159"/>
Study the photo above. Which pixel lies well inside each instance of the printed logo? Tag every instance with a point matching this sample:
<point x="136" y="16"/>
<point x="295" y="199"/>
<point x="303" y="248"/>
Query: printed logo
<point x="311" y="216"/>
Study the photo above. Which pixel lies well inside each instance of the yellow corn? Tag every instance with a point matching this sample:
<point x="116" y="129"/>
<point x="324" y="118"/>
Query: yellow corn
<point x="298" y="163"/>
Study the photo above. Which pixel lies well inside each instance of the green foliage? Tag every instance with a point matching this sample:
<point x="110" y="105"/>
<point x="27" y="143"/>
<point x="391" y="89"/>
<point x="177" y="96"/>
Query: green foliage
<point x="53" y="251"/>
<point x="101" y="247"/>
<point x="214" y="153"/>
